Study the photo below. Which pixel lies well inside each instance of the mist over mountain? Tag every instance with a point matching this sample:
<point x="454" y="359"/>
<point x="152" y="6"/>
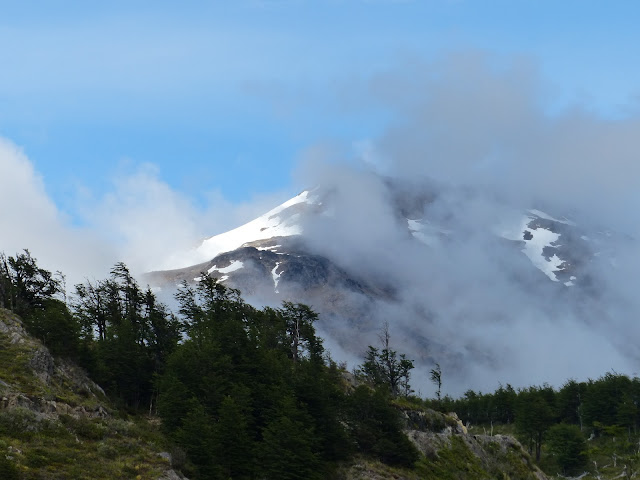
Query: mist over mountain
<point x="492" y="292"/>
<point x="462" y="222"/>
<point x="499" y="237"/>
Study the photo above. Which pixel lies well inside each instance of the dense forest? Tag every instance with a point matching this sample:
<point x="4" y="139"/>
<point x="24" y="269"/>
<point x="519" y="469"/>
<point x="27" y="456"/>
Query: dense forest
<point x="250" y="393"/>
<point x="242" y="391"/>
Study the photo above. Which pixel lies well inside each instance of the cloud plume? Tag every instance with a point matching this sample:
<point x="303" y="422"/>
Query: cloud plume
<point x="475" y="142"/>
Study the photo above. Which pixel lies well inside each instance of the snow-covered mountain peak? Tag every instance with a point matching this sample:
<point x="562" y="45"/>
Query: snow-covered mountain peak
<point x="281" y="221"/>
<point x="438" y="263"/>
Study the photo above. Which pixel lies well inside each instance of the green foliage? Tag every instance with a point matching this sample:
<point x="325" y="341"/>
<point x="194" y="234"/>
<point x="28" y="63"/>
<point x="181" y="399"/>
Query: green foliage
<point x="435" y="375"/>
<point x="384" y="368"/>
<point x="534" y="416"/>
<point x="606" y="408"/>
<point x="20" y="422"/>
<point x="232" y="439"/>
<point x="24" y="287"/>
<point x="35" y="294"/>
<point x="604" y="396"/>
<point x="129" y="333"/>
<point x="288" y="449"/>
<point x="56" y="327"/>
<point x="249" y="393"/>
<point x="8" y="469"/>
<point x="452" y="463"/>
<point x="83" y="448"/>
<point x="84" y="427"/>
<point x="567" y="444"/>
<point x="375" y="426"/>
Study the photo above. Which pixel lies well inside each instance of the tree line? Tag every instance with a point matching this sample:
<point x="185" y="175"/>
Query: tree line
<point x="246" y="391"/>
<point x="561" y="419"/>
<point x="243" y="392"/>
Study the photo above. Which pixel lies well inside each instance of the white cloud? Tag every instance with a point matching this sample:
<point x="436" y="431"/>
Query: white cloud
<point x="29" y="219"/>
<point x="141" y="221"/>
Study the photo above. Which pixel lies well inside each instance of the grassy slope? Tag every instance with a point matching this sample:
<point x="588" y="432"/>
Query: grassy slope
<point x="454" y="457"/>
<point x="610" y="456"/>
<point x="51" y="446"/>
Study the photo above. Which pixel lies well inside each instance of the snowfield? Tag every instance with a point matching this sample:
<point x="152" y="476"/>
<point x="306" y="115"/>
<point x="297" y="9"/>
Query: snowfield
<point x="275" y="223"/>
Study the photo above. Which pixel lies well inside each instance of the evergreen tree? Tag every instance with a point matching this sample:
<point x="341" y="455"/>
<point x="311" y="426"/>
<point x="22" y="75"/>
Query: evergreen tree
<point x="38" y="296"/>
<point x="56" y="327"/>
<point x="289" y="450"/>
<point x="131" y="335"/>
<point x="570" y="402"/>
<point x="197" y="437"/>
<point x="385" y="368"/>
<point x="376" y="428"/>
<point x="25" y="287"/>
<point x="233" y="447"/>
<point x="435" y="375"/>
<point x="568" y="446"/>
<point x="534" y="416"/>
<point x="299" y="320"/>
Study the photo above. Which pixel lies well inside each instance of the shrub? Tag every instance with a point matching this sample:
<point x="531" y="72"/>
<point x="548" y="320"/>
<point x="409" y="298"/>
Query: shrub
<point x="8" y="471"/>
<point x="567" y="444"/>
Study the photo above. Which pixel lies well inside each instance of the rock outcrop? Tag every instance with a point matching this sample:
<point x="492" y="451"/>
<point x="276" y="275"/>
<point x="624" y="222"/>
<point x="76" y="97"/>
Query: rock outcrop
<point x="41" y="383"/>
<point x="450" y="452"/>
<point x="443" y="438"/>
<point x="43" y="397"/>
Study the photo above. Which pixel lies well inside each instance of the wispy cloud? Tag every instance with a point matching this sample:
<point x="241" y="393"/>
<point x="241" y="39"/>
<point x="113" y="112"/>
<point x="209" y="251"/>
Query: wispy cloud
<point x="141" y="220"/>
<point x="477" y="136"/>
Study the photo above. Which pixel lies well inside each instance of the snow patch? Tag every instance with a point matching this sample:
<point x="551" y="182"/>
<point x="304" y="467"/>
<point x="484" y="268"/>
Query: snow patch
<point x="276" y="277"/>
<point x="269" y="249"/>
<point x="546" y="216"/>
<point x="534" y="249"/>
<point x="535" y="241"/>
<point x="425" y="232"/>
<point x="235" y="265"/>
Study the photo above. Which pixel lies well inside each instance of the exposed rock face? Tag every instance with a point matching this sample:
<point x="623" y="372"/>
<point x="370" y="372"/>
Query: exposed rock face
<point x="42" y="364"/>
<point x="268" y="272"/>
<point x="38" y="391"/>
<point x="433" y="432"/>
<point x="50" y="408"/>
<point x="272" y="269"/>
<point x="49" y="387"/>
<point x="172" y="475"/>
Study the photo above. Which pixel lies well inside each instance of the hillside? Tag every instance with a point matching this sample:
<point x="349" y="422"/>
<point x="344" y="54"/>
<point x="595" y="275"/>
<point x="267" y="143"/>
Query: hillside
<point x="449" y="452"/>
<point x="246" y="393"/>
<point x="55" y="423"/>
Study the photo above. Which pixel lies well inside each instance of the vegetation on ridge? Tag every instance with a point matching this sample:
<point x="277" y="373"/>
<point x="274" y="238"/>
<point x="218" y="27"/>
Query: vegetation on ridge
<point x="250" y="393"/>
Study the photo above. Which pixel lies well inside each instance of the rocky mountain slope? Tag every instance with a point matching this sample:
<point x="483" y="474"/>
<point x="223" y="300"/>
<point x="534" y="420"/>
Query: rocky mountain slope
<point x="55" y="423"/>
<point x="436" y="264"/>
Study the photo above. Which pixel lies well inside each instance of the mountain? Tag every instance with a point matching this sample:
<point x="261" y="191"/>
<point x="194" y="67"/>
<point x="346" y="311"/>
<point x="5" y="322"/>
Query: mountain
<point x="451" y="270"/>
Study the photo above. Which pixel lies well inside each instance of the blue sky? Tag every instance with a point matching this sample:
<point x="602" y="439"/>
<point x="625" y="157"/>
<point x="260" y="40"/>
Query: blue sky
<point x="131" y="130"/>
<point x="226" y="95"/>
<point x="217" y="102"/>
